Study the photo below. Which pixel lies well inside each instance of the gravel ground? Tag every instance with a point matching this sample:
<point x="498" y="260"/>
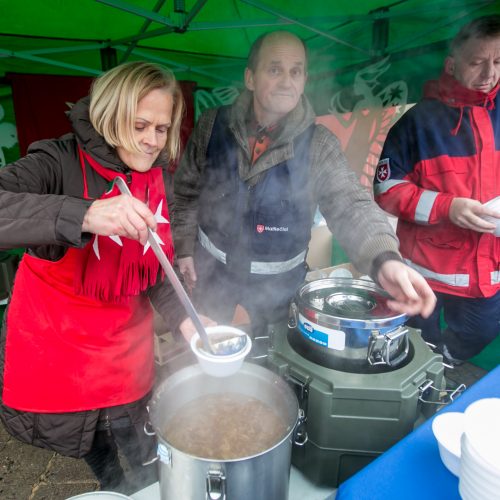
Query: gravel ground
<point x="29" y="473"/>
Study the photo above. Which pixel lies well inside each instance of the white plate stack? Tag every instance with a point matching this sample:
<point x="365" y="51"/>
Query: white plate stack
<point x="480" y="460"/>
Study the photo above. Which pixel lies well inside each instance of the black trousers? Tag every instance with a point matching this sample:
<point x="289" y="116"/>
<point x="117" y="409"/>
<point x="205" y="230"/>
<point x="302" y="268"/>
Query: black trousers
<point x="120" y="438"/>
<point x="472" y="323"/>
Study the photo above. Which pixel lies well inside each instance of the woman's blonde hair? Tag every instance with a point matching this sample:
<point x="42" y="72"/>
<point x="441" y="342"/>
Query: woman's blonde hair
<point x="113" y="103"/>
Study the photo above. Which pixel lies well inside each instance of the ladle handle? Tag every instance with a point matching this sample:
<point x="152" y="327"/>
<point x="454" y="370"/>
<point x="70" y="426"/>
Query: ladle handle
<point x="169" y="271"/>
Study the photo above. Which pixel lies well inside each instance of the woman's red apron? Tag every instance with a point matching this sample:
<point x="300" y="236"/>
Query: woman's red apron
<point x="66" y="352"/>
<point x="69" y="348"/>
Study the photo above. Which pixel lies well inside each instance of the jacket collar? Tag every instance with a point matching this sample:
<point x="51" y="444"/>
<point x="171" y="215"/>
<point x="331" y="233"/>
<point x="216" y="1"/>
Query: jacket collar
<point x="451" y="92"/>
<point x="293" y="124"/>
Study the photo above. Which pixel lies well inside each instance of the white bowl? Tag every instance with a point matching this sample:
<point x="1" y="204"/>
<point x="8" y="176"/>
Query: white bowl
<point x="100" y="495"/>
<point x="340" y="273"/>
<point x="220" y="365"/>
<point x="448" y="429"/>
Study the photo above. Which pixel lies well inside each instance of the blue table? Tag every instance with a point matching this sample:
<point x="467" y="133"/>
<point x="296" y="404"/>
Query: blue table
<point x="412" y="469"/>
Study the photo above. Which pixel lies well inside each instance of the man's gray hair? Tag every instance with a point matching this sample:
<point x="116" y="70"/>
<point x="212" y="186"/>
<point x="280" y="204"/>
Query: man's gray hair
<point x="481" y="27"/>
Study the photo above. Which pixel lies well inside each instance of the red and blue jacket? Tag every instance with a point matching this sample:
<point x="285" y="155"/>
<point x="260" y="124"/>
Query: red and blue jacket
<point x="446" y="146"/>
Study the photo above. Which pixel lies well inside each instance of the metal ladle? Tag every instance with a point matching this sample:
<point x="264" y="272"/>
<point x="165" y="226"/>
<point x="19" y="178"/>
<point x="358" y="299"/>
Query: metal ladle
<point x="225" y="347"/>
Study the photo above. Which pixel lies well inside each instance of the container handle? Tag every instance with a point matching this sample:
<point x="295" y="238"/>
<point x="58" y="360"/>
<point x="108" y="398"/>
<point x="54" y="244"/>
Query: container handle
<point x="216" y="485"/>
<point x="292" y="320"/>
<point x="381" y="355"/>
<point x="434" y="348"/>
<point x="450" y="394"/>
<point x="402" y="356"/>
<point x="300" y="436"/>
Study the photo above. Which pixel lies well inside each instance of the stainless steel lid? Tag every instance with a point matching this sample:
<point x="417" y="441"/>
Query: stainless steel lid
<point x="349" y="300"/>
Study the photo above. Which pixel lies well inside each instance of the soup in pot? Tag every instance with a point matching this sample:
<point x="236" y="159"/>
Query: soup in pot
<point x="224" y="427"/>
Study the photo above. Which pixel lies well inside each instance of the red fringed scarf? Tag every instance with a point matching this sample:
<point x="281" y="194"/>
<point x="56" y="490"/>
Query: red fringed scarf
<point x="112" y="268"/>
<point x="450" y="91"/>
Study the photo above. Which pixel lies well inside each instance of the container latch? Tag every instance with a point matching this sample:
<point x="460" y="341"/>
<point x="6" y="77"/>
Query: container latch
<point x="381" y="346"/>
<point x="300" y="436"/>
<point x="301" y="389"/>
<point x="446" y="396"/>
<point x="293" y="315"/>
<point x="216" y="485"/>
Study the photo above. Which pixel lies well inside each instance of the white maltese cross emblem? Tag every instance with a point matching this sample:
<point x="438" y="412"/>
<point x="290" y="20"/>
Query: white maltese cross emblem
<point x="158" y="218"/>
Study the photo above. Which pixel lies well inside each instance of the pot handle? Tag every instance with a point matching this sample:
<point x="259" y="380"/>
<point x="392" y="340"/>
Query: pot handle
<point x="148" y="429"/>
<point x="148" y="426"/>
<point x="152" y="461"/>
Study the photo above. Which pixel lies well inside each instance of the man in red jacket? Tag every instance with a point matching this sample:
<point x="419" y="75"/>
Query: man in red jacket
<point x="439" y="167"/>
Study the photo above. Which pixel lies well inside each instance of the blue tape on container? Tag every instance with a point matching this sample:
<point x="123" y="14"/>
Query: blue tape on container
<point x="327" y="337"/>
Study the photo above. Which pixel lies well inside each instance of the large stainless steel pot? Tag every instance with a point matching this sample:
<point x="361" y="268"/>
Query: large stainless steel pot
<point x="346" y="324"/>
<point x="264" y="476"/>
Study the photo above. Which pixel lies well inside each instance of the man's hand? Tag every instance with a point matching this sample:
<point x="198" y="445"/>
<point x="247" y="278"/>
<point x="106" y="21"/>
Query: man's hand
<point x="467" y="213"/>
<point x="188" y="329"/>
<point x="410" y="293"/>
<point x="186" y="268"/>
<point x="121" y="216"/>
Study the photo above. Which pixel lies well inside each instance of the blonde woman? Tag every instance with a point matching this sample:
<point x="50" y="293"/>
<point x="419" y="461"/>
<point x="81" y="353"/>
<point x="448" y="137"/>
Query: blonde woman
<point x="77" y="362"/>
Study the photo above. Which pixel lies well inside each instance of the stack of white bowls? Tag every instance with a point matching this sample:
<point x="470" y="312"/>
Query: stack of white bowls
<point x="480" y="450"/>
<point x="448" y="428"/>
